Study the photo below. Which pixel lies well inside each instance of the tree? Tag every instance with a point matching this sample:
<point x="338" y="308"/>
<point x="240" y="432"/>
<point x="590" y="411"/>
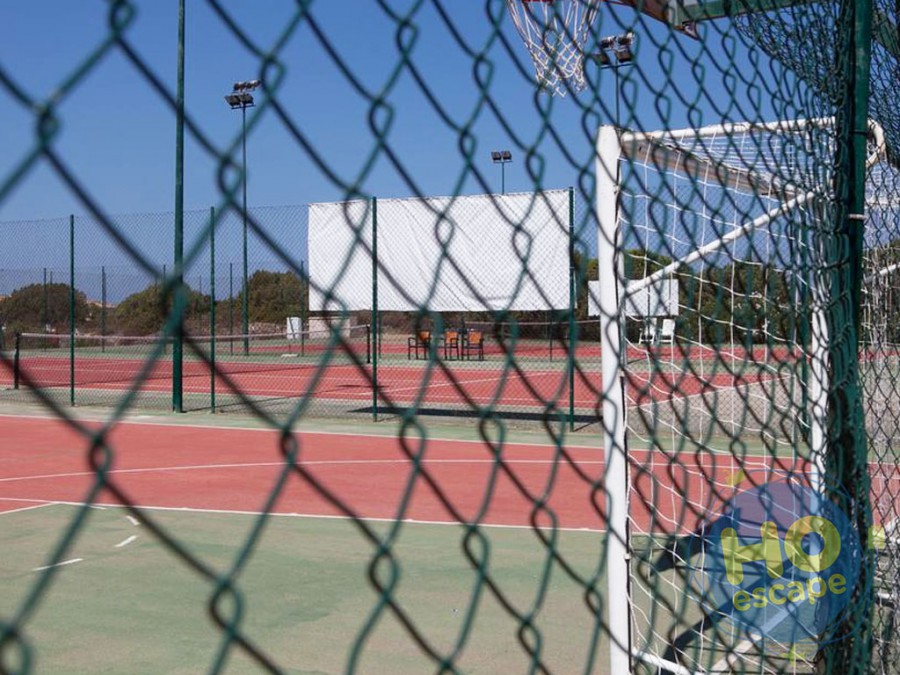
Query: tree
<point x="38" y="308"/>
<point x="145" y="312"/>
<point x="273" y="296"/>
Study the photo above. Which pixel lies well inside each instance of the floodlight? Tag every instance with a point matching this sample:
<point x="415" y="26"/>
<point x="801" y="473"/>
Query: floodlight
<point x="248" y="85"/>
<point x="602" y="58"/>
<point x="502" y="157"/>
<point x="622" y="48"/>
<point x="624" y="55"/>
<point x="608" y="42"/>
<point x="240" y="98"/>
<point x="620" y="45"/>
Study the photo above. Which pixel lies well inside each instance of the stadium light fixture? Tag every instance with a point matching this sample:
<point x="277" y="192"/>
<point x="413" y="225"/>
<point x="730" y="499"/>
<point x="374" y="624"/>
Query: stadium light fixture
<point x="502" y="157"/>
<point x="240" y="98"/>
<point x="620" y="47"/>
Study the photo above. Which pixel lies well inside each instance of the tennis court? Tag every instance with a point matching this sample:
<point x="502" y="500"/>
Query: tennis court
<point x="328" y="520"/>
<point x="308" y="593"/>
<point x="521" y="380"/>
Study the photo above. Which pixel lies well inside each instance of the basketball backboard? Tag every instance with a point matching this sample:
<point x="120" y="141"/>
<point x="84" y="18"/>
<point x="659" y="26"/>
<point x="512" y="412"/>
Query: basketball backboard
<point x="684" y="14"/>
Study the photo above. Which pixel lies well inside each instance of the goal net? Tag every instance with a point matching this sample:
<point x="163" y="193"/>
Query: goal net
<point x="717" y="241"/>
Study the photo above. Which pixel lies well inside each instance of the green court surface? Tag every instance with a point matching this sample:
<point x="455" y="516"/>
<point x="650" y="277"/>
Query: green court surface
<point x="305" y="595"/>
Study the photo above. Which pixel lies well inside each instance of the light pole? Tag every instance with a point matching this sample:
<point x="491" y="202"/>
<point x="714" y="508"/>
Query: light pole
<point x="620" y="46"/>
<point x="502" y="157"/>
<point x="241" y="98"/>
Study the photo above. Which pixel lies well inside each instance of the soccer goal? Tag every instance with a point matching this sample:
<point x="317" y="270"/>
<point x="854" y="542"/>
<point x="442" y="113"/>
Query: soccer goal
<point x="724" y="233"/>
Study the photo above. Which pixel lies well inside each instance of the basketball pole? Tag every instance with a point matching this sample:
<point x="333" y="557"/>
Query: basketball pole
<point x="573" y="327"/>
<point x="613" y="402"/>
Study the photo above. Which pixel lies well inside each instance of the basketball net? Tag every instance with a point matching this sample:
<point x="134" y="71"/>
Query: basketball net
<point x="555" y="32"/>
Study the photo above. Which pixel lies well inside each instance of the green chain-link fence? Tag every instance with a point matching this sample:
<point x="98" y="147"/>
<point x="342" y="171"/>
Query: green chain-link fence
<point x="274" y="354"/>
<point x="714" y="304"/>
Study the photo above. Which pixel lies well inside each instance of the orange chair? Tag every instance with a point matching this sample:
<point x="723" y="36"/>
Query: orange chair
<point x="451" y="343"/>
<point x="421" y="340"/>
<point x="473" y="341"/>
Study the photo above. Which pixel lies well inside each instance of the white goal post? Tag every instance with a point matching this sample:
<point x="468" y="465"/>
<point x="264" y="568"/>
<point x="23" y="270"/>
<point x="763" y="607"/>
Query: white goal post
<point x="734" y="217"/>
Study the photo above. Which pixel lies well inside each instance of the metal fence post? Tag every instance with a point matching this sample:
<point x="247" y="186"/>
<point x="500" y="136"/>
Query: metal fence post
<point x="212" y="309"/>
<point x="846" y="460"/>
<point x="573" y="327"/>
<point x="71" y="309"/>
<point x="374" y="331"/>
<point x="103" y="308"/>
<point x="179" y="290"/>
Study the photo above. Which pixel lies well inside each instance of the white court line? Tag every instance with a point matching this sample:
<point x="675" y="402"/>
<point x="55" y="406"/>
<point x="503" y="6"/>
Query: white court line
<point x="434" y="385"/>
<point x="26" y="508"/>
<point x="303" y="433"/>
<point x="126" y="541"/>
<point x="310" y="516"/>
<point x="202" y="467"/>
<point x="716" y="461"/>
<point x="134" y="521"/>
<point x="713" y="455"/>
<point x="59" y="564"/>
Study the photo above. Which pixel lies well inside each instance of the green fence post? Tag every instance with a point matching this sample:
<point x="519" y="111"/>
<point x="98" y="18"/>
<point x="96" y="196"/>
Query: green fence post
<point x="231" y="307"/>
<point x="212" y="308"/>
<point x="245" y="294"/>
<point x="573" y="327"/>
<point x="846" y="460"/>
<point x="375" y="308"/>
<point x="304" y="286"/>
<point x="71" y="309"/>
<point x="179" y="290"/>
<point x="102" y="308"/>
<point x="18" y="347"/>
<point x="45" y="315"/>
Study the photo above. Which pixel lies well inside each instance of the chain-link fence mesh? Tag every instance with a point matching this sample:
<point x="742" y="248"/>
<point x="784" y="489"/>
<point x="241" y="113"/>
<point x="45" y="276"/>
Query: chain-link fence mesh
<point x="714" y="303"/>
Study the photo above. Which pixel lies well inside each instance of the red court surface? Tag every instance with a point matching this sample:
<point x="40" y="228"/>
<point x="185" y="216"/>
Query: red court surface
<point x="226" y="469"/>
<point x="235" y="470"/>
<point x="453" y="385"/>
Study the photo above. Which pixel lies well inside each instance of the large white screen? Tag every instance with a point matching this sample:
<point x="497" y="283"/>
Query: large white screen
<point x="338" y="262"/>
<point x="443" y="253"/>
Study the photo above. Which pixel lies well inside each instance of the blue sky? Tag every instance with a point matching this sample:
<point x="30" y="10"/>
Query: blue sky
<point x="117" y="133"/>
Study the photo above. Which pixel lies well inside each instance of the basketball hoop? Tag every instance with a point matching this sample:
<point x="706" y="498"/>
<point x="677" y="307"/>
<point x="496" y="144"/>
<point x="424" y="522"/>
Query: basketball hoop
<point x="555" y="32"/>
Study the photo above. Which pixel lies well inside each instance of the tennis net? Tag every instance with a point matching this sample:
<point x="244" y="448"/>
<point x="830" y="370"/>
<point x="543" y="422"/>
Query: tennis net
<point x="52" y="360"/>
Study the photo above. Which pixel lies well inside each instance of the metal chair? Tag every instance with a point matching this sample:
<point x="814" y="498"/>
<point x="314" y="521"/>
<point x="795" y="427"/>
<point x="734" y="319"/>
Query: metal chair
<point x="421" y="340"/>
<point x="473" y="341"/>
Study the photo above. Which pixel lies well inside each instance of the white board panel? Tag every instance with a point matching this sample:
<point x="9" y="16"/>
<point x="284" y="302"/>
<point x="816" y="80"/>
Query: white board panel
<point x="293" y="327"/>
<point x="338" y="261"/>
<point x="593" y="298"/>
<point x="477" y="253"/>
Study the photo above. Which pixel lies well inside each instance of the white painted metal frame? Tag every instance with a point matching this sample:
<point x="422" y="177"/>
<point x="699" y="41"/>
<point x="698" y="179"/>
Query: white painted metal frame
<point x="612" y="295"/>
